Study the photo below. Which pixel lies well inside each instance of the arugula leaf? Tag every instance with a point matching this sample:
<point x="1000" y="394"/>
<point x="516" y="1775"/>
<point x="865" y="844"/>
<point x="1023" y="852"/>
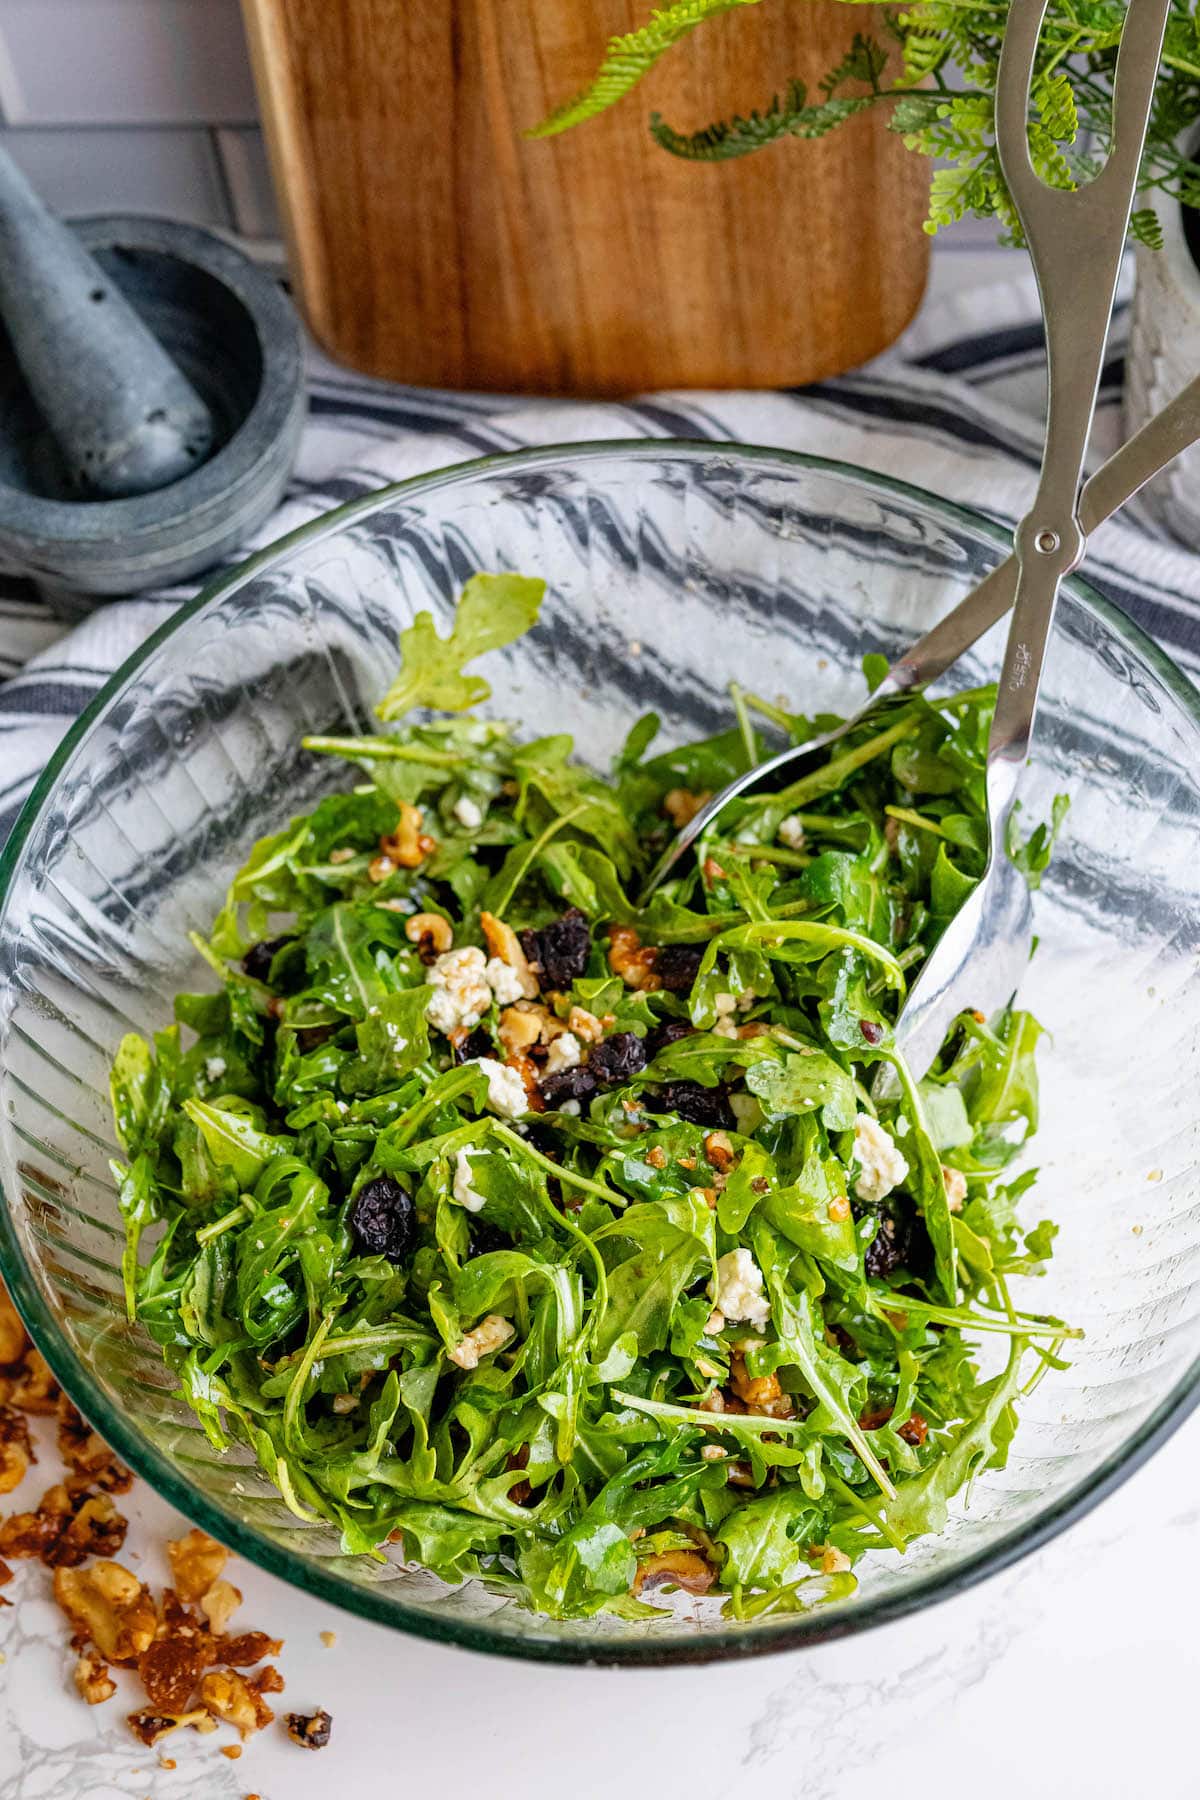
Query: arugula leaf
<point x="492" y="610"/>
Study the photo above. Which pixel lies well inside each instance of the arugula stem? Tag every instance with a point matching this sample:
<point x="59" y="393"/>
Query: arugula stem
<point x="870" y="1513"/>
<point x="914" y="818"/>
<point x="962" y="1317"/>
<point x="515" y="1142"/>
<point x="771" y="853"/>
<point x="237" y="1214"/>
<point x="749" y="740"/>
<point x="369" y="749"/>
<point x="838" y="769"/>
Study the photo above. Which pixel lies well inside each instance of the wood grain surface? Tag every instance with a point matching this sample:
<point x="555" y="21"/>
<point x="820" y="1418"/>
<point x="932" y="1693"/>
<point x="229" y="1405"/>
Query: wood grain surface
<point x="434" y="244"/>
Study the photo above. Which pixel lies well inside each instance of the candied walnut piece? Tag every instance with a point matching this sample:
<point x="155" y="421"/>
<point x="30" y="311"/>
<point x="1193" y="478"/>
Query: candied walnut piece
<point x="506" y="947"/>
<point x="677" y="966"/>
<point x="310" y="1730"/>
<point x="13" y="1340"/>
<point x="681" y="805"/>
<point x="431" y="933"/>
<point x="914" y="1430"/>
<point x="719" y="1151"/>
<point x="520" y="1028"/>
<point x="585" y="1025"/>
<point x="761" y="1393"/>
<point x="170" y="1669"/>
<point x="618" y="1058"/>
<point x="33" y="1388"/>
<point x="219" y="1604"/>
<point x="196" y="1561"/>
<point x="405" y="847"/>
<point x="267" y="1681"/>
<point x="93" y="1679"/>
<point x="230" y="1697"/>
<point x="632" y="960"/>
<point x="686" y="1569"/>
<point x="109" y="1606"/>
<point x="96" y="1529"/>
<point x="243" y="1651"/>
<point x="86" y="1454"/>
<point x="149" y="1726"/>
<point x="16" y="1451"/>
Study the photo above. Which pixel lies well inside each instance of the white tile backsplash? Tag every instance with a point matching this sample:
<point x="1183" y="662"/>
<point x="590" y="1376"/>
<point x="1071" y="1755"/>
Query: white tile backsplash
<point x="174" y="172"/>
<point x="136" y="106"/>
<point x="125" y="62"/>
<point x="248" y="180"/>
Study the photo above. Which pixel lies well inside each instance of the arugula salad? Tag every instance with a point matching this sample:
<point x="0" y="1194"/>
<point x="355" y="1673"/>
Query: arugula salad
<point x="530" y="1236"/>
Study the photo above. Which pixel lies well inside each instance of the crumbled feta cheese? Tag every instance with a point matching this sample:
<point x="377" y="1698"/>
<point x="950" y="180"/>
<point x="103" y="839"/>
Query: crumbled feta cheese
<point x="464" y="1193"/>
<point x="882" y="1165"/>
<point x="739" y="1288"/>
<point x="571" y="1107"/>
<point x="724" y="1005"/>
<point x="490" y="1334"/>
<point x="746" y="1001"/>
<point x="791" y="832"/>
<point x="714" y="1453"/>
<point x="956" y="1188"/>
<point x="214" y="1067"/>
<point x="747" y="1111"/>
<point x="461" y="994"/>
<point x="725" y="1028"/>
<point x="504" y="981"/>
<point x="564" y="1053"/>
<point x="505" y="1089"/>
<point x="715" y="1322"/>
<point x="469" y="816"/>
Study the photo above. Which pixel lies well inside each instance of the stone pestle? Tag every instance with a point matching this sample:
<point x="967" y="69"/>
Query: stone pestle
<point x="124" y="417"/>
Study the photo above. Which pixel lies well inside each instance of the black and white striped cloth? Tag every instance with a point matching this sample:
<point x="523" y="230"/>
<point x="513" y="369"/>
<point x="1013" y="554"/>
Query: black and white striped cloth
<point x="956" y="406"/>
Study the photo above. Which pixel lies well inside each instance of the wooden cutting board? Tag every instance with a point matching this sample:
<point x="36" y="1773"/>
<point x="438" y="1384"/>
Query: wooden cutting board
<point x="433" y="244"/>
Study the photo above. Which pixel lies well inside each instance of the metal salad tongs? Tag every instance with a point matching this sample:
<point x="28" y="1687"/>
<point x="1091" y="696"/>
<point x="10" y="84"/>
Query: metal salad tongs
<point x="1075" y="240"/>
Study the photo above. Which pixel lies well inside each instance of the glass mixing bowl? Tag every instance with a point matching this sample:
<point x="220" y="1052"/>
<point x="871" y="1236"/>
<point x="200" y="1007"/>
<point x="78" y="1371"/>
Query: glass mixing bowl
<point x="673" y="568"/>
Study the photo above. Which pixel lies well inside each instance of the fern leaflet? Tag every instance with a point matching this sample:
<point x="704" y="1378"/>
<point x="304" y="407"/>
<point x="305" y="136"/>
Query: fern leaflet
<point x="631" y="56"/>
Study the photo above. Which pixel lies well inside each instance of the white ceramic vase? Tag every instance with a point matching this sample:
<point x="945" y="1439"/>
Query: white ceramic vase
<point x="1162" y="357"/>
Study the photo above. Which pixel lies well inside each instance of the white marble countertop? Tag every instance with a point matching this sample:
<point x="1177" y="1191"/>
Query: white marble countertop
<point x="1068" y="1677"/>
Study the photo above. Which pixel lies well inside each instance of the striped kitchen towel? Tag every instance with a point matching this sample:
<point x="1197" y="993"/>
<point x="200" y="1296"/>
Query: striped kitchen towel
<point x="956" y="405"/>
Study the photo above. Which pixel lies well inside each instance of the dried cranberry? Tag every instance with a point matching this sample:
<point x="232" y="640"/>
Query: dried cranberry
<point x="872" y="1033"/>
<point x="618" y="1058"/>
<point x="901" y="1242"/>
<point x="677" y="966"/>
<point x="383" y="1220"/>
<point x="698" y="1105"/>
<point x="559" y="951"/>
<point x="669" y="1032"/>
<point x="477" y="1043"/>
<point x="569" y="1084"/>
<point x="258" y="959"/>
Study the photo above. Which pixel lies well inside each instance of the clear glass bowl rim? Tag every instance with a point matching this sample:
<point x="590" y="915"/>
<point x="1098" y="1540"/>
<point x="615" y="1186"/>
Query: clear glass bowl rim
<point x="376" y="1603"/>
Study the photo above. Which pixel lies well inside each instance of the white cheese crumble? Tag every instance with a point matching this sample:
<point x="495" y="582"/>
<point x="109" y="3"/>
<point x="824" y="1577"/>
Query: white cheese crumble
<point x="725" y="1006"/>
<point x="214" y="1067"/>
<point x="571" y="1107"/>
<point x="791" y="832"/>
<point x="464" y="1193"/>
<point x="882" y="1165"/>
<point x="739" y="1288"/>
<point x="564" y="1053"/>
<point x="461" y="994"/>
<point x="469" y="816"/>
<point x="505" y="1089"/>
<point x="504" y="981"/>
<point x="490" y="1334"/>
<point x="956" y="1188"/>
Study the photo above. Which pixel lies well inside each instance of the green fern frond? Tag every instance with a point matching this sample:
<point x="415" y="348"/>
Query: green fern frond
<point x="1146" y="228"/>
<point x="1054" y="99"/>
<point x="730" y="138"/>
<point x="631" y="56"/>
<point x="865" y="62"/>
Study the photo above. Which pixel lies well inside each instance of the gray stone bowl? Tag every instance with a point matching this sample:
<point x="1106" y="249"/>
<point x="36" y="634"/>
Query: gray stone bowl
<point x="233" y="331"/>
